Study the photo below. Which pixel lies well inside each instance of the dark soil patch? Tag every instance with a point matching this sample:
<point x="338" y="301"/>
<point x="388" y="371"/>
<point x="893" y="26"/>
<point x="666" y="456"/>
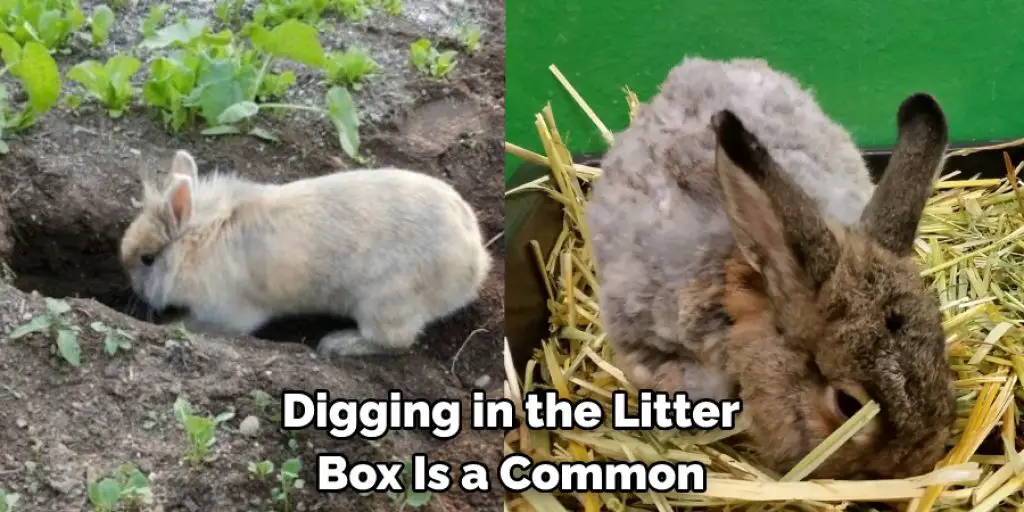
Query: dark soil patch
<point x="65" y="192"/>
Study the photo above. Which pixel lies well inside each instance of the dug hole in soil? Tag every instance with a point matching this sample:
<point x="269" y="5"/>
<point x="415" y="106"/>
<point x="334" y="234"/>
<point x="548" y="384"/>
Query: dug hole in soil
<point x="65" y="199"/>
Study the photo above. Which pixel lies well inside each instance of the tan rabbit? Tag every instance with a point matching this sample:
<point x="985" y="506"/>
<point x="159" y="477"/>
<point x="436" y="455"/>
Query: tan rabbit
<point x="392" y="249"/>
<point x="744" y="252"/>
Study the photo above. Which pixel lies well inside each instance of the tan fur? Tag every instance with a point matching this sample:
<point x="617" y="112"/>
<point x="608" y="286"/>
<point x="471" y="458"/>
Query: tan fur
<point x="393" y="249"/>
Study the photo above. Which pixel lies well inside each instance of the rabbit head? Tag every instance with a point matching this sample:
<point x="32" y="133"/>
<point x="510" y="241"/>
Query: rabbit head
<point x="829" y="317"/>
<point x="164" y="213"/>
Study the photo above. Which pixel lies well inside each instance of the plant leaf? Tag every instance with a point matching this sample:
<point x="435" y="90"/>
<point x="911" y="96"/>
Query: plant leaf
<point x="121" y="68"/>
<point x="10" y="50"/>
<point x="219" y="86"/>
<point x="57" y="306"/>
<point x="342" y="111"/>
<point x="67" y="344"/>
<point x="237" y="112"/>
<point x="91" y="75"/>
<point x="36" y="324"/>
<point x="179" y="33"/>
<point x="102" y="19"/>
<point x="108" y="491"/>
<point x="292" y="39"/>
<point x="264" y="134"/>
<point x="417" y="499"/>
<point x="224" y="129"/>
<point x="50" y="28"/>
<point x="138" y="480"/>
<point x="110" y="344"/>
<point x="291" y="467"/>
<point x="39" y="75"/>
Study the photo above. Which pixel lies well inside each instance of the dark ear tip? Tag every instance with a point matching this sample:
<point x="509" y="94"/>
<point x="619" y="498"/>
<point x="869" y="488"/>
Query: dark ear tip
<point x="724" y="122"/>
<point x="733" y="137"/>
<point x="921" y="107"/>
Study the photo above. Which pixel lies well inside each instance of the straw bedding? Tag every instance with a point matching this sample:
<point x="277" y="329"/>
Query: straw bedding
<point x="971" y="251"/>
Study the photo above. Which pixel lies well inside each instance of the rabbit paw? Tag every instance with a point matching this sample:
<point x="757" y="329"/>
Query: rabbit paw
<point x="349" y="343"/>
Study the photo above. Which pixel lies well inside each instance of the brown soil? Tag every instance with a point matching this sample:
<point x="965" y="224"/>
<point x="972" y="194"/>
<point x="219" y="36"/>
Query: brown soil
<point x="65" y="190"/>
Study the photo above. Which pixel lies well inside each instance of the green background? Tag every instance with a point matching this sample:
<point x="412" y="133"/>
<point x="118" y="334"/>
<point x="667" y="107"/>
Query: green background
<point x="860" y="58"/>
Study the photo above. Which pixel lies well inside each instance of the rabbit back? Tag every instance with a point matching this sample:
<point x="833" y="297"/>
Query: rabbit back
<point x="396" y="240"/>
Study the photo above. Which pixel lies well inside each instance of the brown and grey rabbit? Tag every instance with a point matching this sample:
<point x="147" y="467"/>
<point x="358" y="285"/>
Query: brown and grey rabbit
<point x="392" y="249"/>
<point x="743" y="251"/>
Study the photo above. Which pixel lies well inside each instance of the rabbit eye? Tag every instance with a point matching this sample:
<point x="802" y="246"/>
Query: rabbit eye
<point x="148" y="259"/>
<point x="846" y="404"/>
<point x="894" y="322"/>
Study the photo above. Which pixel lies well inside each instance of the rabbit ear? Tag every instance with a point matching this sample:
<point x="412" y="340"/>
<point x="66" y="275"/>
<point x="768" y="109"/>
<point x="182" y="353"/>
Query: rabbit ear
<point x="777" y="226"/>
<point x="892" y="215"/>
<point x="179" y="200"/>
<point x="184" y="164"/>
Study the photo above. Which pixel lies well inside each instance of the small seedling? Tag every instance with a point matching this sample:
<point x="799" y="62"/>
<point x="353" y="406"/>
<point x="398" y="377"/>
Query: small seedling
<point x="200" y="430"/>
<point x="58" y="327"/>
<point x="154" y="19"/>
<point x="110" y="83"/>
<point x="8" y="501"/>
<point x="100" y="23"/>
<point x="288" y="479"/>
<point x="261" y="470"/>
<point x="426" y="58"/>
<point x="350" y="67"/>
<point x="114" y="339"/>
<point x="408" y="498"/>
<point x="469" y="37"/>
<point x="33" y="65"/>
<point x="128" y="488"/>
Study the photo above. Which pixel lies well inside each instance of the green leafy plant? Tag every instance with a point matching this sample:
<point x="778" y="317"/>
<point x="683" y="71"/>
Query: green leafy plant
<point x="128" y="488"/>
<point x="288" y="478"/>
<point x="154" y="19"/>
<point x="200" y="430"/>
<point x="48" y="22"/>
<point x="426" y="58"/>
<point x="39" y="77"/>
<point x="408" y="498"/>
<point x="350" y="67"/>
<point x="262" y="469"/>
<point x="100" y="23"/>
<point x="469" y="37"/>
<point x="217" y="78"/>
<point x="55" y="323"/>
<point x="114" y="339"/>
<point x="8" y="501"/>
<point x="110" y="83"/>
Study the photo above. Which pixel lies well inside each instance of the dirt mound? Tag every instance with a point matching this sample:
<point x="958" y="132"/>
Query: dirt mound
<point x="65" y="199"/>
